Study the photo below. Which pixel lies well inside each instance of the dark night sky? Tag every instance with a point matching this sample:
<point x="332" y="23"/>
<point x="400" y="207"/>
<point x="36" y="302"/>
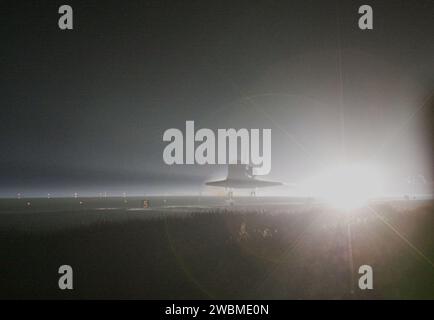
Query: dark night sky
<point x="86" y="109"/>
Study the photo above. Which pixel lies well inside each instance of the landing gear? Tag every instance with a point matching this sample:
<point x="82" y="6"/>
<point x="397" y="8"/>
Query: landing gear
<point x="230" y="198"/>
<point x="230" y="195"/>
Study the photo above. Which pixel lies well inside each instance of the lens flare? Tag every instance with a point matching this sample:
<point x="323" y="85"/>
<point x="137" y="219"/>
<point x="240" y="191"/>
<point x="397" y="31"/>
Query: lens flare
<point x="347" y="187"/>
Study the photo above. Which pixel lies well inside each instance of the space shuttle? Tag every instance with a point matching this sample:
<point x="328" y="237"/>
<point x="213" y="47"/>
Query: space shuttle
<point x="240" y="176"/>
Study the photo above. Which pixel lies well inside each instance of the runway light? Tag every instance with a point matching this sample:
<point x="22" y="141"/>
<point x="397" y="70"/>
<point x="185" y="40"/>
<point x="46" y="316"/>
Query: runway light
<point x="348" y="186"/>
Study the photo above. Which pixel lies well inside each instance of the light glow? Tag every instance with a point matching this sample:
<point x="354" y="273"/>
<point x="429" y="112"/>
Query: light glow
<point x="347" y="187"/>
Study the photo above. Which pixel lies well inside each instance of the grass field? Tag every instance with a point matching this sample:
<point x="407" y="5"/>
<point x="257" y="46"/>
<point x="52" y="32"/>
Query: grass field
<point x="177" y="251"/>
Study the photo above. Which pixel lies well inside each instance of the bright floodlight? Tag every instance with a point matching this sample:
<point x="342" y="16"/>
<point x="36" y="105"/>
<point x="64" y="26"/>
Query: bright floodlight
<point x="348" y="186"/>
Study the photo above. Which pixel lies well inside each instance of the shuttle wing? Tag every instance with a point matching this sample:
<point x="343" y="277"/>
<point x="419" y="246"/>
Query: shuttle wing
<point x="240" y="177"/>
